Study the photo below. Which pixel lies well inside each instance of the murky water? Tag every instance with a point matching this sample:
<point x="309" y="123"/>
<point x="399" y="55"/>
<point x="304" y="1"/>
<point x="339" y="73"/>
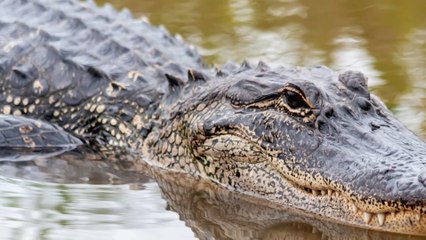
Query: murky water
<point x="68" y="198"/>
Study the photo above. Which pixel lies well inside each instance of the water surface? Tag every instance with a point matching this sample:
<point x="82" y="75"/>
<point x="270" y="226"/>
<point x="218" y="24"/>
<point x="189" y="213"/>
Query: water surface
<point x="73" y="198"/>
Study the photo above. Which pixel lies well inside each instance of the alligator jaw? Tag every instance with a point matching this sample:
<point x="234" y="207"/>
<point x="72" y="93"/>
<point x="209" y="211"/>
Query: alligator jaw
<point x="323" y="197"/>
<point x="350" y="203"/>
<point x="328" y="202"/>
<point x="331" y="201"/>
<point x="414" y="216"/>
<point x="324" y="147"/>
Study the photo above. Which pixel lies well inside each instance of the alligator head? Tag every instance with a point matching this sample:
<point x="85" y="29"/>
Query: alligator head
<point x="310" y="138"/>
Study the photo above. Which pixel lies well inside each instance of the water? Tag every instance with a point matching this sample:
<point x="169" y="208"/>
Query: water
<point x="60" y="211"/>
<point x="67" y="198"/>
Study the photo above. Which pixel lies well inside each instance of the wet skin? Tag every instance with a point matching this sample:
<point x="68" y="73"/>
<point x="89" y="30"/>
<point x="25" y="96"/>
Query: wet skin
<point x="309" y="138"/>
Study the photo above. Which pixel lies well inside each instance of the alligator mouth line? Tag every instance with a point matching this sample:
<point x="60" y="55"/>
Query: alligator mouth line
<point x="390" y="215"/>
<point x="367" y="217"/>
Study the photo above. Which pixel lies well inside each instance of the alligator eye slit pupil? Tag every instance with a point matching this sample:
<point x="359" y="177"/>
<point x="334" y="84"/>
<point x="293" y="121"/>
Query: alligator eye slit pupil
<point x="294" y="100"/>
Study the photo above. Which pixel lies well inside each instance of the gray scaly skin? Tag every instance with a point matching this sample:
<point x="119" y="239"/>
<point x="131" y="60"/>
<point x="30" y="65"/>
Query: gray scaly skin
<point x="214" y="213"/>
<point x="309" y="138"/>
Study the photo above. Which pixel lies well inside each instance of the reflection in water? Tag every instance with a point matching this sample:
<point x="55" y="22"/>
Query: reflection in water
<point x="136" y="210"/>
<point x="34" y="209"/>
<point x="214" y="213"/>
<point x="384" y="39"/>
<point x="85" y="199"/>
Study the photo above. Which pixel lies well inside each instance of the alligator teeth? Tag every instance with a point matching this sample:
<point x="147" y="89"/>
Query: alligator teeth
<point x="381" y="218"/>
<point x="366" y="216"/>
<point x="315" y="192"/>
<point x="323" y="192"/>
<point x="330" y="192"/>
<point x="418" y="216"/>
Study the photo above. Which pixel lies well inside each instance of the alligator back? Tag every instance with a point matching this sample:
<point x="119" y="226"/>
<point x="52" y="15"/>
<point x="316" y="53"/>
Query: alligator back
<point x="78" y="65"/>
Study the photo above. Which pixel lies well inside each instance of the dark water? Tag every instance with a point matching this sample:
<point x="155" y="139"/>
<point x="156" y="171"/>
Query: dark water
<point x="68" y="198"/>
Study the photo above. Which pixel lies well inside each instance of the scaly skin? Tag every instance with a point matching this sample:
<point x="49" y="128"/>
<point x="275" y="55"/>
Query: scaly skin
<point x="214" y="213"/>
<point x="308" y="138"/>
<point x="328" y="147"/>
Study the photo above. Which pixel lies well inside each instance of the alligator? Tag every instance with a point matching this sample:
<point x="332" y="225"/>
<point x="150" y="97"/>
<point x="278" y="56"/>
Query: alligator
<point x="312" y="139"/>
<point x="214" y="213"/>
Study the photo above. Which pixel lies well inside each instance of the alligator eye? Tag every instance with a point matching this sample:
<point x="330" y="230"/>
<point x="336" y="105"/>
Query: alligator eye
<point x="295" y="100"/>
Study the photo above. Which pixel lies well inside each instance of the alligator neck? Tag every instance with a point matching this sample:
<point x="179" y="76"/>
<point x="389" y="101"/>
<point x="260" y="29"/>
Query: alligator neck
<point x="102" y="77"/>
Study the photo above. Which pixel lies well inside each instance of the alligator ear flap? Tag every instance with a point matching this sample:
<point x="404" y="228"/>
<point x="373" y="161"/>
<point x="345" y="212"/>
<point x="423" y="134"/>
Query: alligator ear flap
<point x="175" y="83"/>
<point x="194" y="76"/>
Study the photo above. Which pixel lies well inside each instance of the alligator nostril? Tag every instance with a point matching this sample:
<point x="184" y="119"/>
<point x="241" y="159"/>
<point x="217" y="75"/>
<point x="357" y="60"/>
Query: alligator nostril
<point x="322" y="126"/>
<point x="422" y="178"/>
<point x="364" y="104"/>
<point x="374" y="126"/>
<point x="329" y="112"/>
